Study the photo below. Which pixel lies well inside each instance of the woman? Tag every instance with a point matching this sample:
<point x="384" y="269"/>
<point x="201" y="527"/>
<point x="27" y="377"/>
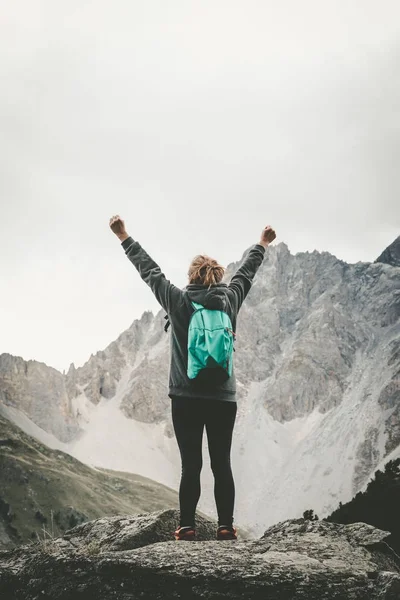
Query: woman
<point x="193" y="406"/>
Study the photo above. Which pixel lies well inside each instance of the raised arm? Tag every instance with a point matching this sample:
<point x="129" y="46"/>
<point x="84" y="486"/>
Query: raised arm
<point x="242" y="280"/>
<point x="167" y="294"/>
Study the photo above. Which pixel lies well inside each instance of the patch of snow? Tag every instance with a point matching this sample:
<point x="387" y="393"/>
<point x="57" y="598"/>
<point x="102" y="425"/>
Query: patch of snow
<point x="113" y="441"/>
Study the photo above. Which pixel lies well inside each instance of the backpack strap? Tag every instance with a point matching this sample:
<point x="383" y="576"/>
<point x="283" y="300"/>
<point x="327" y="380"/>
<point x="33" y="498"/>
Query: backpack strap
<point x="196" y="305"/>
<point x="167" y="324"/>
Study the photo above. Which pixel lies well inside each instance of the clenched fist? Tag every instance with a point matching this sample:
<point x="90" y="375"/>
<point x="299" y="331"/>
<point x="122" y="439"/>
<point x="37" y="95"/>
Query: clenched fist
<point x="267" y="236"/>
<point x="118" y="227"/>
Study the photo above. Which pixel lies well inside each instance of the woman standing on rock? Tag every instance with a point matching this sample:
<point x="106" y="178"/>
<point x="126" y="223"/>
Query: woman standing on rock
<point x="203" y="400"/>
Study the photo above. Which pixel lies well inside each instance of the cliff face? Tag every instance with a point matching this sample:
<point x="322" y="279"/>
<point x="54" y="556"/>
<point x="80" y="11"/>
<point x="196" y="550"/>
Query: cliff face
<point x="40" y="392"/>
<point x="317" y="365"/>
<point x="133" y="556"/>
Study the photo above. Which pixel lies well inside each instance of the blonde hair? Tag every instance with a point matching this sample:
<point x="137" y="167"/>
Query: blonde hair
<point x="205" y="270"/>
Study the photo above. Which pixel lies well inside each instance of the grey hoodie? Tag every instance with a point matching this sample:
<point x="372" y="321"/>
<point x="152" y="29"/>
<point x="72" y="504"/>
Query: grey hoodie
<point x="221" y="296"/>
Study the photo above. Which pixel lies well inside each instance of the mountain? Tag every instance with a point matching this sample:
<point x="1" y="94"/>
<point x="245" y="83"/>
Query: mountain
<point x="134" y="557"/>
<point x="39" y="392"/>
<point x="43" y="489"/>
<point x="317" y="365"/>
<point x="391" y="254"/>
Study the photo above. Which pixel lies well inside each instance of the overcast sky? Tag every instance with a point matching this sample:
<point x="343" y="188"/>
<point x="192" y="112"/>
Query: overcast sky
<point x="199" y="122"/>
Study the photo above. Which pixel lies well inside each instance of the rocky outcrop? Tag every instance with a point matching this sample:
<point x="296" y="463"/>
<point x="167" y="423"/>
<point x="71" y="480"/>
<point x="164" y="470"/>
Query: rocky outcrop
<point x="134" y="557"/>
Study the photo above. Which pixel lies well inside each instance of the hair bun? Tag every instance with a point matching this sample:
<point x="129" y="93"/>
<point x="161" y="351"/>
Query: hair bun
<point x="205" y="270"/>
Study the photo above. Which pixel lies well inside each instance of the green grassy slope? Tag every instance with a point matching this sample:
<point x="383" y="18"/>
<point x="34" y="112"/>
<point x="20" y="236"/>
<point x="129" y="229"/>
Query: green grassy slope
<point x="43" y="489"/>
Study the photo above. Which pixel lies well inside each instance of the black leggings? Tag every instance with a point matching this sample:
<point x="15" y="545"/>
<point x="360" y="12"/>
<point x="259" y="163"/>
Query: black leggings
<point x="189" y="415"/>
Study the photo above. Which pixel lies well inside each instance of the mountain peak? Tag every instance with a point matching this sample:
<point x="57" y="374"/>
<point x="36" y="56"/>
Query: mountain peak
<point x="391" y="254"/>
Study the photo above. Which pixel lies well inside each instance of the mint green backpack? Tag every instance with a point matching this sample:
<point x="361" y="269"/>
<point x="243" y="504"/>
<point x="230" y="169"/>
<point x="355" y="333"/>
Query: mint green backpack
<point x="210" y="345"/>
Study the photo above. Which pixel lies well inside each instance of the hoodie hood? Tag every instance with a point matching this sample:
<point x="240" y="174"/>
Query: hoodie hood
<point x="213" y="297"/>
